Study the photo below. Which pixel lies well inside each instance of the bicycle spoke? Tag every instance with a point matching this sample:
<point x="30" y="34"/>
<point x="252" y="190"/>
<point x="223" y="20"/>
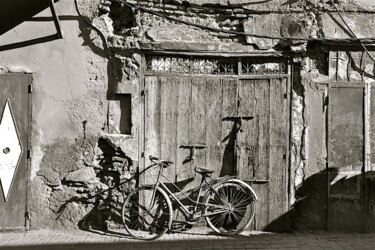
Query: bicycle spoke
<point x="220" y="220"/>
<point x="238" y="197"/>
<point x="145" y="218"/>
<point x="222" y="197"/>
<point x="229" y="219"/>
<point x="243" y="203"/>
<point x="228" y="194"/>
<point x="238" y="216"/>
<point x="233" y="193"/>
<point x="138" y="222"/>
<point x="237" y="200"/>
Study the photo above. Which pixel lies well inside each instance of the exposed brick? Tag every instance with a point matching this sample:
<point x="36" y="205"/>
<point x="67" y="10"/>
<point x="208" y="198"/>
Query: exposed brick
<point x="170" y="6"/>
<point x="241" y="15"/>
<point x="229" y="11"/>
<point x="238" y="10"/>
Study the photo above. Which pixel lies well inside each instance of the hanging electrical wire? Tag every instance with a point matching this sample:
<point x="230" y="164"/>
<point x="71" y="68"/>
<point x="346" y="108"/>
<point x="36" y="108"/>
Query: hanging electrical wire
<point x="104" y="40"/>
<point x="350" y="30"/>
<point x="342" y="40"/>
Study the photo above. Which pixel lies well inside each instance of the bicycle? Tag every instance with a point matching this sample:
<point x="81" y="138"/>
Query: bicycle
<point x="228" y="205"/>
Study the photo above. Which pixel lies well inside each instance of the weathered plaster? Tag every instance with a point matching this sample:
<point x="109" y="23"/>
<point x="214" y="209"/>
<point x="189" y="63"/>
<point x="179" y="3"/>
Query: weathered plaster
<point x="77" y="82"/>
<point x="70" y="84"/>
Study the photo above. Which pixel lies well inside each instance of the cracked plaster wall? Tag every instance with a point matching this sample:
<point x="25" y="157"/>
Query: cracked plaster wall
<point x="69" y="111"/>
<point x="75" y="86"/>
<point x="308" y="19"/>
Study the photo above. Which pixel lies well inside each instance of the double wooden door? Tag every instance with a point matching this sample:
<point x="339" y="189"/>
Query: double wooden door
<point x="186" y="111"/>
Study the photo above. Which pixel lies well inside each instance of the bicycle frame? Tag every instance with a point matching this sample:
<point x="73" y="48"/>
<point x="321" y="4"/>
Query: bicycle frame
<point x="227" y="204"/>
<point x="197" y="203"/>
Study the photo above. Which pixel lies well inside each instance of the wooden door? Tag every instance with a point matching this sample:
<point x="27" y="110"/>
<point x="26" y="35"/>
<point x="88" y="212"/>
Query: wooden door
<point x="370" y="169"/>
<point x="346" y="186"/>
<point x="262" y="147"/>
<point x="185" y="110"/>
<point x="14" y="132"/>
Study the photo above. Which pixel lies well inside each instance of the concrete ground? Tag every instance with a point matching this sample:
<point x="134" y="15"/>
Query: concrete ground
<point x="194" y="239"/>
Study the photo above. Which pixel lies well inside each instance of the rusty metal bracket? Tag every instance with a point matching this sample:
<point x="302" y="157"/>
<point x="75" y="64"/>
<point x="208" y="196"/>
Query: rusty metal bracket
<point x="192" y="148"/>
<point x="55" y="19"/>
<point x="238" y="121"/>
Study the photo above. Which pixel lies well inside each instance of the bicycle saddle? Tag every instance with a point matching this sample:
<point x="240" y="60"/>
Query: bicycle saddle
<point x="203" y="170"/>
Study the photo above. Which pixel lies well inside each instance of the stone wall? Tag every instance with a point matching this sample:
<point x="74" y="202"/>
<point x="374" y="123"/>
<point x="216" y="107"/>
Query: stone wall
<point x="86" y="100"/>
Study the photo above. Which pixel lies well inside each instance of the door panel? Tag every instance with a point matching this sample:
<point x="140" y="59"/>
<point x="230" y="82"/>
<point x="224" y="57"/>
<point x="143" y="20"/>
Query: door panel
<point x="214" y="104"/>
<point x="197" y="128"/>
<point x="14" y="130"/>
<point x="346" y="144"/>
<point x="370" y="171"/>
<point x="168" y="121"/>
<point x="152" y="127"/>
<point x="229" y="109"/>
<point x="261" y="147"/>
<point x="185" y="172"/>
<point x="277" y="149"/>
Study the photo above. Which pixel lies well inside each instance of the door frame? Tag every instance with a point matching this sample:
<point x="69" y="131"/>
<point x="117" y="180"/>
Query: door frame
<point x="26" y="226"/>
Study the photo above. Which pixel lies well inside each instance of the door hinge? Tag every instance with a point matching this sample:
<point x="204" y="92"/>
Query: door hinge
<point x="325" y="101"/>
<point x="30" y="88"/>
<point x="27" y="220"/>
<point x="29" y="154"/>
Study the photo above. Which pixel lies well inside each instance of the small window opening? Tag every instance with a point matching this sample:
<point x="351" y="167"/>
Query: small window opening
<point x="119" y="115"/>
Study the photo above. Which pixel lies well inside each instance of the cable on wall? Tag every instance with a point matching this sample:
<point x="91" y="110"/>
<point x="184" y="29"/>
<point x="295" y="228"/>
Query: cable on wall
<point x="104" y="40"/>
<point x="350" y="30"/>
<point x="343" y="40"/>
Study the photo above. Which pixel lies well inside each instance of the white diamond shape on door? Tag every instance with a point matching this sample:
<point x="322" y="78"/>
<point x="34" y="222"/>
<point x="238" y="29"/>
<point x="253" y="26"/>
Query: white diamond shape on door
<point x="10" y="149"/>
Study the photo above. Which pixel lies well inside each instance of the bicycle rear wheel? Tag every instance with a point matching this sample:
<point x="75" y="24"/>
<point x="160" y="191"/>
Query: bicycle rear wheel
<point x="230" y="208"/>
<point x="145" y="218"/>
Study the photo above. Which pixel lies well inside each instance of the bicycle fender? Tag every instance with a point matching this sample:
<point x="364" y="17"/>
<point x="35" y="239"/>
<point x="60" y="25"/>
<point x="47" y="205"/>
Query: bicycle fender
<point x="245" y="184"/>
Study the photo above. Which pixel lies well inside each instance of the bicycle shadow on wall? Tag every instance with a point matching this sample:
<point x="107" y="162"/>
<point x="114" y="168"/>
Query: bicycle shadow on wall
<point x="107" y="195"/>
<point x="227" y="163"/>
<point x="346" y="204"/>
<point x="117" y="178"/>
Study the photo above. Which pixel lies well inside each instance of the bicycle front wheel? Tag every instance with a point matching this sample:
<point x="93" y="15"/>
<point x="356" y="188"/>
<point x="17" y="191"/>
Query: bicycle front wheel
<point x="230" y="208"/>
<point x="146" y="218"/>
